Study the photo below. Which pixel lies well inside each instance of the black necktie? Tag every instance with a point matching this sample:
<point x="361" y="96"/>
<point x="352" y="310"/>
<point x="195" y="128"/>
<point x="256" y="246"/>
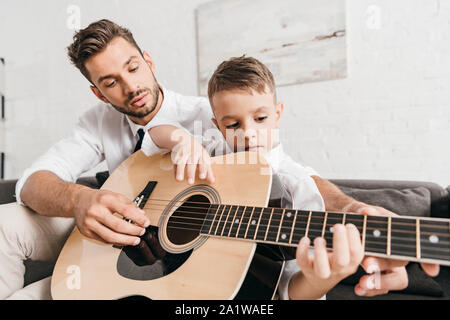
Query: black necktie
<point x="139" y="143"/>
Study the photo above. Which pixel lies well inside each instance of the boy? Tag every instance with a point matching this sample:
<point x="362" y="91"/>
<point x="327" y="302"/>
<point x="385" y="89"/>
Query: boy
<point x="243" y="99"/>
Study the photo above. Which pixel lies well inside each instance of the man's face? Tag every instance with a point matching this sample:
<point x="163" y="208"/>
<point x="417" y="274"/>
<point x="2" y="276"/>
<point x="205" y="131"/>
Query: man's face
<point x="123" y="78"/>
<point x="248" y="121"/>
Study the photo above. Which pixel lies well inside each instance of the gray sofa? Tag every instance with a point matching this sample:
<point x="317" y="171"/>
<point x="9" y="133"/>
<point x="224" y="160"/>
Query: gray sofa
<point x="403" y="197"/>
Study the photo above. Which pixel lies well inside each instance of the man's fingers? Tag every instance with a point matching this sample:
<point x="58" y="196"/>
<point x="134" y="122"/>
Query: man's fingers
<point x="112" y="237"/>
<point x="431" y="269"/>
<point x="119" y="225"/>
<point x="127" y="209"/>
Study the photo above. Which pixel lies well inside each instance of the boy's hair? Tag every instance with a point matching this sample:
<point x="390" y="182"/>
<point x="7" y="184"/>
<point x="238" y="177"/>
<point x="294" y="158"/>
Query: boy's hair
<point x="94" y="39"/>
<point x="243" y="73"/>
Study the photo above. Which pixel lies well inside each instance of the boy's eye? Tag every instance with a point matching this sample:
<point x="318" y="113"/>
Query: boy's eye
<point x="261" y="118"/>
<point x="232" y="126"/>
<point x="134" y="69"/>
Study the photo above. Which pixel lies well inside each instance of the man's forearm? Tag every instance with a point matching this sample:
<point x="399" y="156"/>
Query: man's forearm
<point x="334" y="198"/>
<point x="47" y="194"/>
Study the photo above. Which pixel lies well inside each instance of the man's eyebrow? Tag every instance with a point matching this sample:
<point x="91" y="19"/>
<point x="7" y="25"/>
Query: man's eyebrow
<point x="112" y="76"/>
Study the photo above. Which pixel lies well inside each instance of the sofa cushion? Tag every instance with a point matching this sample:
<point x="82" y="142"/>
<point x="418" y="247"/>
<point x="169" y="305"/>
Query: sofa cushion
<point x="409" y="201"/>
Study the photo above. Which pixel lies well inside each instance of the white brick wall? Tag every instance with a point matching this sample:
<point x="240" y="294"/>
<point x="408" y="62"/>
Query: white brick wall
<point x="389" y="119"/>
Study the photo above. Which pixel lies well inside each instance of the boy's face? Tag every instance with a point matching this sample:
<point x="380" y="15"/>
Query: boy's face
<point x="248" y="120"/>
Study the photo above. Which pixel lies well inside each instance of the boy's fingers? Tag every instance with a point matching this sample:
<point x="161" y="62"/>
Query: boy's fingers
<point x="303" y="259"/>
<point x="180" y="171"/>
<point x="354" y="243"/>
<point x="190" y="173"/>
<point x="321" y="262"/>
<point x="202" y="170"/>
<point x="341" y="255"/>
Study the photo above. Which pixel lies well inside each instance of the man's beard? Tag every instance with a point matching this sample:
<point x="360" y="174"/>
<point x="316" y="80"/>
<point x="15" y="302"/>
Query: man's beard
<point x="144" y="110"/>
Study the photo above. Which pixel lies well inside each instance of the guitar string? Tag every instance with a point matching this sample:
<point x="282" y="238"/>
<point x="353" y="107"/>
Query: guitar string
<point x="307" y="212"/>
<point x="320" y="224"/>
<point x="337" y="220"/>
<point x="425" y="250"/>
<point x="272" y="233"/>
<point x="228" y="221"/>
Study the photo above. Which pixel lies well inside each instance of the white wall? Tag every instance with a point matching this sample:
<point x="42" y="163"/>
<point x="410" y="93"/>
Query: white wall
<point x="389" y="119"/>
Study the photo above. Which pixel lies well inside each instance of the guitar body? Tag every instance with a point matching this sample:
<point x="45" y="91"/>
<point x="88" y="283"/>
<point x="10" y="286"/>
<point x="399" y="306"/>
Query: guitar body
<point x="205" y="267"/>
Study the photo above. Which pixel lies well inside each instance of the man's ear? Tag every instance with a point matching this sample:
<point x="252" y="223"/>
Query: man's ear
<point x="98" y="94"/>
<point x="149" y="61"/>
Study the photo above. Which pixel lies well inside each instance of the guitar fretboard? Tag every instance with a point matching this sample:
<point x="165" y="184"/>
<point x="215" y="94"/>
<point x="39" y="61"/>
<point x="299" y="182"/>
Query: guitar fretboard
<point x="415" y="239"/>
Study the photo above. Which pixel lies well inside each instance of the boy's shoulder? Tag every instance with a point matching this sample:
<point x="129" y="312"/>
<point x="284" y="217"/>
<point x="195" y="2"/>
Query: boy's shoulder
<point x="283" y="165"/>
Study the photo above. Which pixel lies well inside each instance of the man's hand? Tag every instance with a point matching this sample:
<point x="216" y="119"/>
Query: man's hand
<point x="384" y="274"/>
<point x="95" y="217"/>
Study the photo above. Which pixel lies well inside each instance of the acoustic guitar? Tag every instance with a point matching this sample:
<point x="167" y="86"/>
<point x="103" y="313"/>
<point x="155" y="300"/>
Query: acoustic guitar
<point x="216" y="240"/>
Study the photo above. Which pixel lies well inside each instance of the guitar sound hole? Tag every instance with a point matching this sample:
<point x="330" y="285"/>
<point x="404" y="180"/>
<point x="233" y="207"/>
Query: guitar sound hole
<point x="186" y="221"/>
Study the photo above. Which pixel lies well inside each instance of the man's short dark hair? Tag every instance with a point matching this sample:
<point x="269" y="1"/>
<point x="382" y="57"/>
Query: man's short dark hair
<point x="94" y="39"/>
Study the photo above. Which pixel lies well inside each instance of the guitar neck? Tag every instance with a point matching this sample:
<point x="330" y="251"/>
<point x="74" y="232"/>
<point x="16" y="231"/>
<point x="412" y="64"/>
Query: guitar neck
<point x="399" y="237"/>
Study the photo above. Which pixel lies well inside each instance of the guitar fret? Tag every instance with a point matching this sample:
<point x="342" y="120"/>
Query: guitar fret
<point x="257" y="224"/>
<point x="388" y="251"/>
<point x="240" y="221"/>
<point x="260" y="234"/>
<point x="307" y="225"/>
<point x="417" y="238"/>
<point x="275" y="226"/>
<point x="248" y="224"/>
<point x="226" y="221"/>
<point x="333" y="218"/>
<point x="268" y="225"/>
<point x="324" y="224"/>
<point x="343" y="218"/>
<point x="403" y="237"/>
<point x="281" y="223"/>
<point x="234" y="224"/>
<point x="316" y="225"/>
<point x="209" y="219"/>
<point x="218" y="222"/>
<point x="434" y="240"/>
<point x="364" y="233"/>
<point x="293" y="225"/>
<point x="376" y="233"/>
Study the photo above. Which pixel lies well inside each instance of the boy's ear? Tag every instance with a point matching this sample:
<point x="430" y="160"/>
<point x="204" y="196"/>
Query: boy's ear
<point x="149" y="61"/>
<point x="215" y="122"/>
<point x="99" y="94"/>
<point x="279" y="111"/>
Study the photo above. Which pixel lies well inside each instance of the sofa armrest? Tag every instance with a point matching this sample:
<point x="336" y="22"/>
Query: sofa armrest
<point x="7" y="191"/>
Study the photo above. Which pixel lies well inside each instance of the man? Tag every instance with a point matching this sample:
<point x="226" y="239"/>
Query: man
<point x="122" y="77"/>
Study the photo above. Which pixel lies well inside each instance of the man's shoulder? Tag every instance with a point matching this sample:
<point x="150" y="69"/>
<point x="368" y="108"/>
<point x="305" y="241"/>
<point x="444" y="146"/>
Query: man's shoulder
<point x="101" y="112"/>
<point x="189" y="100"/>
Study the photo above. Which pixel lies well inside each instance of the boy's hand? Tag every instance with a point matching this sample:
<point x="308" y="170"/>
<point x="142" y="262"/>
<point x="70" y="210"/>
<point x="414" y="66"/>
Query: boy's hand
<point x="326" y="269"/>
<point x="190" y="154"/>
